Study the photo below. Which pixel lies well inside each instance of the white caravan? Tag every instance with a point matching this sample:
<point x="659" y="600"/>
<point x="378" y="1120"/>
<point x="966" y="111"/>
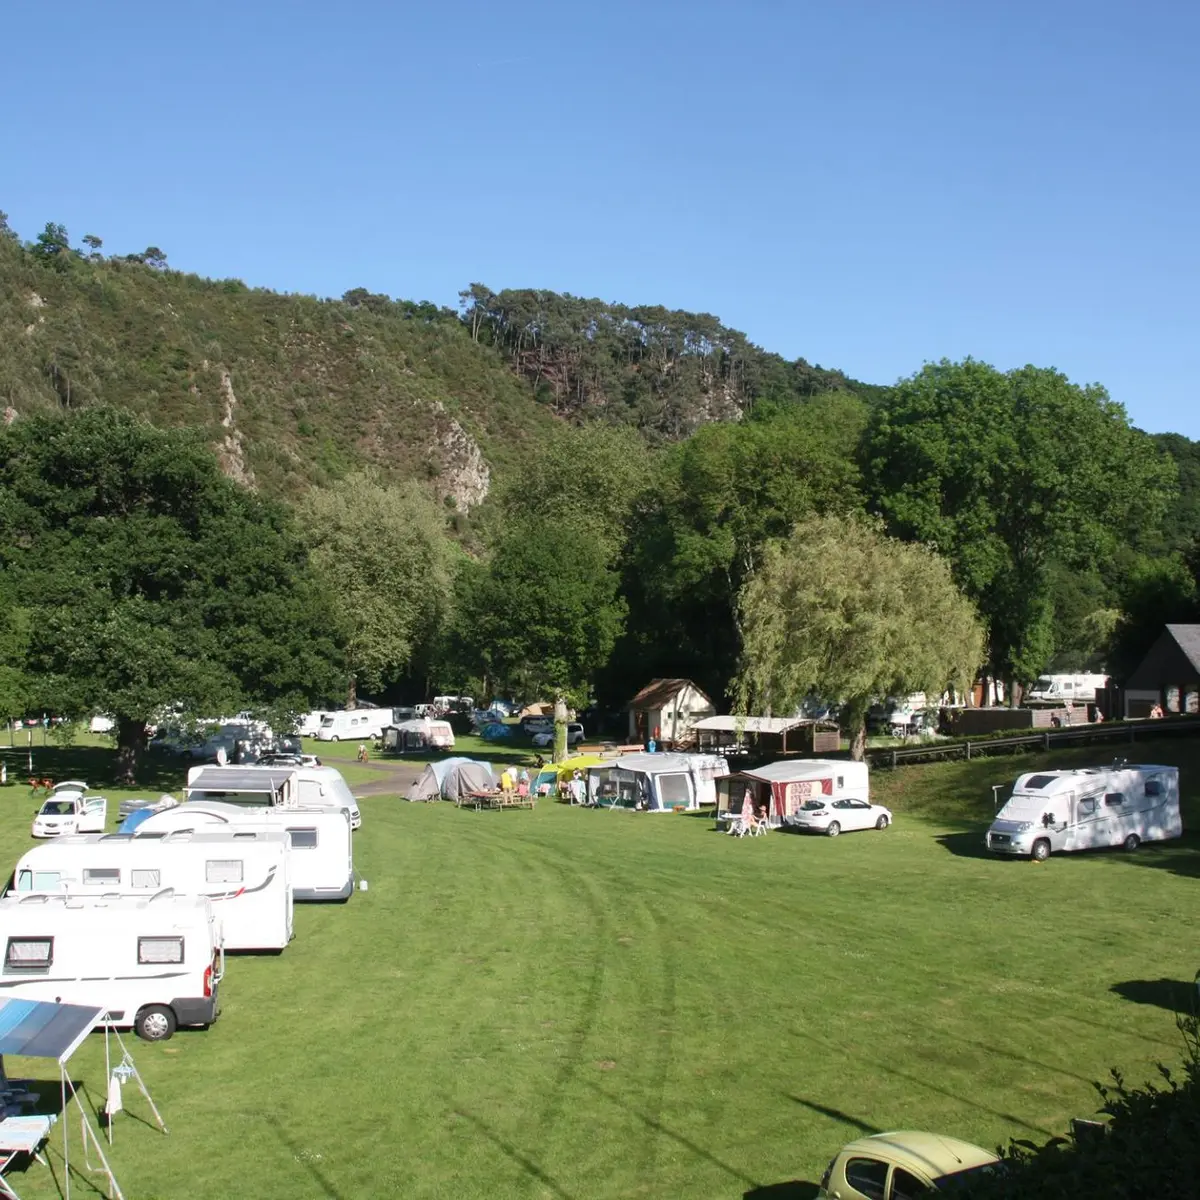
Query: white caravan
<point x="275" y="787"/>
<point x="657" y="782"/>
<point x="310" y="724"/>
<point x="69" y="809"/>
<point x="1086" y="809"/>
<point x="152" y="962"/>
<point x="354" y="725"/>
<point x="322" y="853"/>
<point x="1065" y="689"/>
<point x="246" y="874"/>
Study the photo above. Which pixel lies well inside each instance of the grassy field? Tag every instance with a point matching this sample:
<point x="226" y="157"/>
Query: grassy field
<point x="572" y="1003"/>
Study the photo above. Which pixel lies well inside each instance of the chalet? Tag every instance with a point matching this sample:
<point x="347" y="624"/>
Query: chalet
<point x="665" y="710"/>
<point x="1168" y="676"/>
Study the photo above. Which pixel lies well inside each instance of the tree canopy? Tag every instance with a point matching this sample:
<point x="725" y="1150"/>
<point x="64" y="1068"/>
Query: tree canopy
<point x="153" y="582"/>
<point x="840" y="612"/>
<point x="1006" y="473"/>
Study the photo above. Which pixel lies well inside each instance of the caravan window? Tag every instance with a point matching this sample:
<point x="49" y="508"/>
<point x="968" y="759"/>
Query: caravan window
<point x="223" y="870"/>
<point x="1114" y="800"/>
<point x="1087" y="807"/>
<point x="102" y="876"/>
<point x="1154" y="787"/>
<point x="1038" y="781"/>
<point x="143" y="877"/>
<point x="673" y="789"/>
<point x="303" y="839"/>
<point x="28" y="954"/>
<point x="38" y="881"/>
<point x="160" y="950"/>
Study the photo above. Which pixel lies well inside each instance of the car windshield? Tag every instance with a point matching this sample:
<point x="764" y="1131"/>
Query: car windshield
<point x="1022" y="808"/>
<point x="58" y="808"/>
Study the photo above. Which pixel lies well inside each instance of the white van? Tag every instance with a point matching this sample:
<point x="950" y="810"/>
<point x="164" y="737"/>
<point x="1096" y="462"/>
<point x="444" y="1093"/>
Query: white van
<point x="276" y="787"/>
<point x="354" y="725"/>
<point x="322" y="853"/>
<point x="1086" y="809"/>
<point x="69" y="809"/>
<point x="245" y="873"/>
<point x="152" y="962"/>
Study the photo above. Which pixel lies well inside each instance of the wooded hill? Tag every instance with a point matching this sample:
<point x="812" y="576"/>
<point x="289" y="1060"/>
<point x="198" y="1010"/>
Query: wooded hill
<point x="298" y="390"/>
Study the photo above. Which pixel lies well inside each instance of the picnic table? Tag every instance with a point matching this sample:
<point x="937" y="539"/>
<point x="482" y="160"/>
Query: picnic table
<point x="496" y="798"/>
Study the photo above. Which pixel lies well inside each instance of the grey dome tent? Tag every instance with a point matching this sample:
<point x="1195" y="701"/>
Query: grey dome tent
<point x="451" y="779"/>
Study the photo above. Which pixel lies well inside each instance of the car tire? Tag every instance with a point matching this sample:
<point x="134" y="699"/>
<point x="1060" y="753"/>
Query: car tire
<point x="1040" y="851"/>
<point x="832" y="829"/>
<point x="882" y="823"/>
<point x="1132" y="842"/>
<point x="154" y="1023"/>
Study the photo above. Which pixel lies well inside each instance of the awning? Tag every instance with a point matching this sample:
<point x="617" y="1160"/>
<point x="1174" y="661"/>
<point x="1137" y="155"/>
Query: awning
<point x="239" y="779"/>
<point x="38" y="1029"/>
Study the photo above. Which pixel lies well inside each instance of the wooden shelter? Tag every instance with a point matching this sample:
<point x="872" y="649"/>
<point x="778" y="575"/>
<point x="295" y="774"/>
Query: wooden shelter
<point x="666" y="710"/>
<point x="776" y="735"/>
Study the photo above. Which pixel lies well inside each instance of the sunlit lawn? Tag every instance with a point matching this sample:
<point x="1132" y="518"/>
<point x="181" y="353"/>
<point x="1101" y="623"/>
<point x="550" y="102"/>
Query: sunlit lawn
<point x="571" y="1003"/>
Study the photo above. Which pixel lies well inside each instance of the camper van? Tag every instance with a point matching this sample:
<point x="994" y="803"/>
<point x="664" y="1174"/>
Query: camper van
<point x="309" y="724"/>
<point x="278" y="787"/>
<point x="1086" y="809"/>
<point x="69" y="809"/>
<point x="322" y="854"/>
<point x="152" y="962"/>
<point x="1065" y="689"/>
<point x="354" y="725"/>
<point x="245" y="873"/>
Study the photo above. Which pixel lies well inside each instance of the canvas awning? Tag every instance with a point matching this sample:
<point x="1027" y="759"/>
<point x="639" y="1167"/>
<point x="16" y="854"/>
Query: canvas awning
<point x="38" y="1029"/>
<point x="757" y="724"/>
<point x="239" y="779"/>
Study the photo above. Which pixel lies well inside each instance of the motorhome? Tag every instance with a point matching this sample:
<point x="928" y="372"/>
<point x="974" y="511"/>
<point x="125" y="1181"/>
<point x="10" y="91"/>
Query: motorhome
<point x="1065" y="689"/>
<point x="421" y="733"/>
<point x="322" y="850"/>
<point x="153" y="962"/>
<point x="354" y="724"/>
<point x="245" y="873"/>
<point x="1086" y="809"/>
<point x="274" y="787"/>
<point x="309" y="724"/>
<point x="69" y="809"/>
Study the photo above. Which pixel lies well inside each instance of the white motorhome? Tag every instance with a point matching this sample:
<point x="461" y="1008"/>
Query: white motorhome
<point x="246" y="874"/>
<point x="354" y="724"/>
<point x="322" y="853"/>
<point x="275" y="787"/>
<point x="1065" y="689"/>
<point x="310" y="724"/>
<point x="1086" y="809"/>
<point x="152" y="962"/>
<point x="69" y="809"/>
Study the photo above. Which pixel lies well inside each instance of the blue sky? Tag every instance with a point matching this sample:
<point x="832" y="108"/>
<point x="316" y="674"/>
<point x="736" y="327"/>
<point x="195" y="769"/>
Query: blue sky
<point x="869" y="185"/>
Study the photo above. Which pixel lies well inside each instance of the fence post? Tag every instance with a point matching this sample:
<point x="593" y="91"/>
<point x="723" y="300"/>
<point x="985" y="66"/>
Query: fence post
<point x="893" y="757"/>
<point x="968" y="752"/>
<point x="1046" y="740"/>
<point x="1132" y="731"/>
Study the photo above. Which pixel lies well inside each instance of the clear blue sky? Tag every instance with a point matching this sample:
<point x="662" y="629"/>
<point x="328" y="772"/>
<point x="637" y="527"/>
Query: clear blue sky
<point x="867" y="184"/>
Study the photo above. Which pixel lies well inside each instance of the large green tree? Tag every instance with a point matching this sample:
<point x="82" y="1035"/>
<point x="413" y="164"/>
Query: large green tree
<point x="717" y="499"/>
<point x="151" y="580"/>
<point x="1007" y="474"/>
<point x="841" y="612"/>
<point x="383" y="552"/>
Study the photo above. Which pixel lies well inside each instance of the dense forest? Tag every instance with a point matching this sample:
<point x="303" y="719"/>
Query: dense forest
<point x="543" y="493"/>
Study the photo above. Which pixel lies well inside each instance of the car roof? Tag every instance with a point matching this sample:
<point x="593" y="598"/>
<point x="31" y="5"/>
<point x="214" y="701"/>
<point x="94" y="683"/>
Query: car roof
<point x="932" y="1153"/>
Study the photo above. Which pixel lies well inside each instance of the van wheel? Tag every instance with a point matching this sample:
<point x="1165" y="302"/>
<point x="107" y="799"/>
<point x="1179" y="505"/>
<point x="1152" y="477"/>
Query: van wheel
<point x="334" y="738"/>
<point x="1041" y="850"/>
<point x="1132" y="842"/>
<point x="832" y="829"/>
<point x="154" y="1023"/>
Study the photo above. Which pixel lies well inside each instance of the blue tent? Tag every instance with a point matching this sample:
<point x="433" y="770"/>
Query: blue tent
<point x="496" y="731"/>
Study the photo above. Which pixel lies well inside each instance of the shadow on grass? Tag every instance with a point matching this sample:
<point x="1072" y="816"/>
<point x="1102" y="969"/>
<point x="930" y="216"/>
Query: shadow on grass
<point x="97" y="765"/>
<point x="965" y="843"/>
<point x="835" y="1114"/>
<point x="514" y="1154"/>
<point x="793" y="1189"/>
<point x="1172" y="994"/>
<point x="304" y="1157"/>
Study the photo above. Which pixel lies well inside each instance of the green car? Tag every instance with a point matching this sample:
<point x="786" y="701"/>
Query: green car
<point x="903" y="1166"/>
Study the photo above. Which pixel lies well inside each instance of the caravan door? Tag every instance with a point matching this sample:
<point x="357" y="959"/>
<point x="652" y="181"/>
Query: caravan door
<point x="1088" y="822"/>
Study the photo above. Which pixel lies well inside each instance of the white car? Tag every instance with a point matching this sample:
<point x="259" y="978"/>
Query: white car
<point x="546" y="736"/>
<point x="69" y="810"/>
<point x="832" y="817"/>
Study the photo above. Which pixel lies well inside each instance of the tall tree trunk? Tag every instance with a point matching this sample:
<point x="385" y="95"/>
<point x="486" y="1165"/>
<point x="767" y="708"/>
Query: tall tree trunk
<point x="131" y="745"/>
<point x="855" y="716"/>
<point x="352" y="693"/>
<point x="560" y="730"/>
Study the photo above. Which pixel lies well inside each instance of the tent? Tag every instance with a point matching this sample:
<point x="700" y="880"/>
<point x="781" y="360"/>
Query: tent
<point x="656" y="782"/>
<point x="496" y="731"/>
<point x="421" y="733"/>
<point x="39" y="1029"/>
<point x="553" y="775"/>
<point x="450" y="778"/>
<point x="782" y="787"/>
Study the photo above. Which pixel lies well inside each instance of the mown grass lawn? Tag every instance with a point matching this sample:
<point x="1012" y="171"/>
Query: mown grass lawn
<point x="570" y="1003"/>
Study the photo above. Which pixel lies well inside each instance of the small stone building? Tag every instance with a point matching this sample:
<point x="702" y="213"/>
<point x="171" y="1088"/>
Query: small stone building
<point x="1169" y="675"/>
